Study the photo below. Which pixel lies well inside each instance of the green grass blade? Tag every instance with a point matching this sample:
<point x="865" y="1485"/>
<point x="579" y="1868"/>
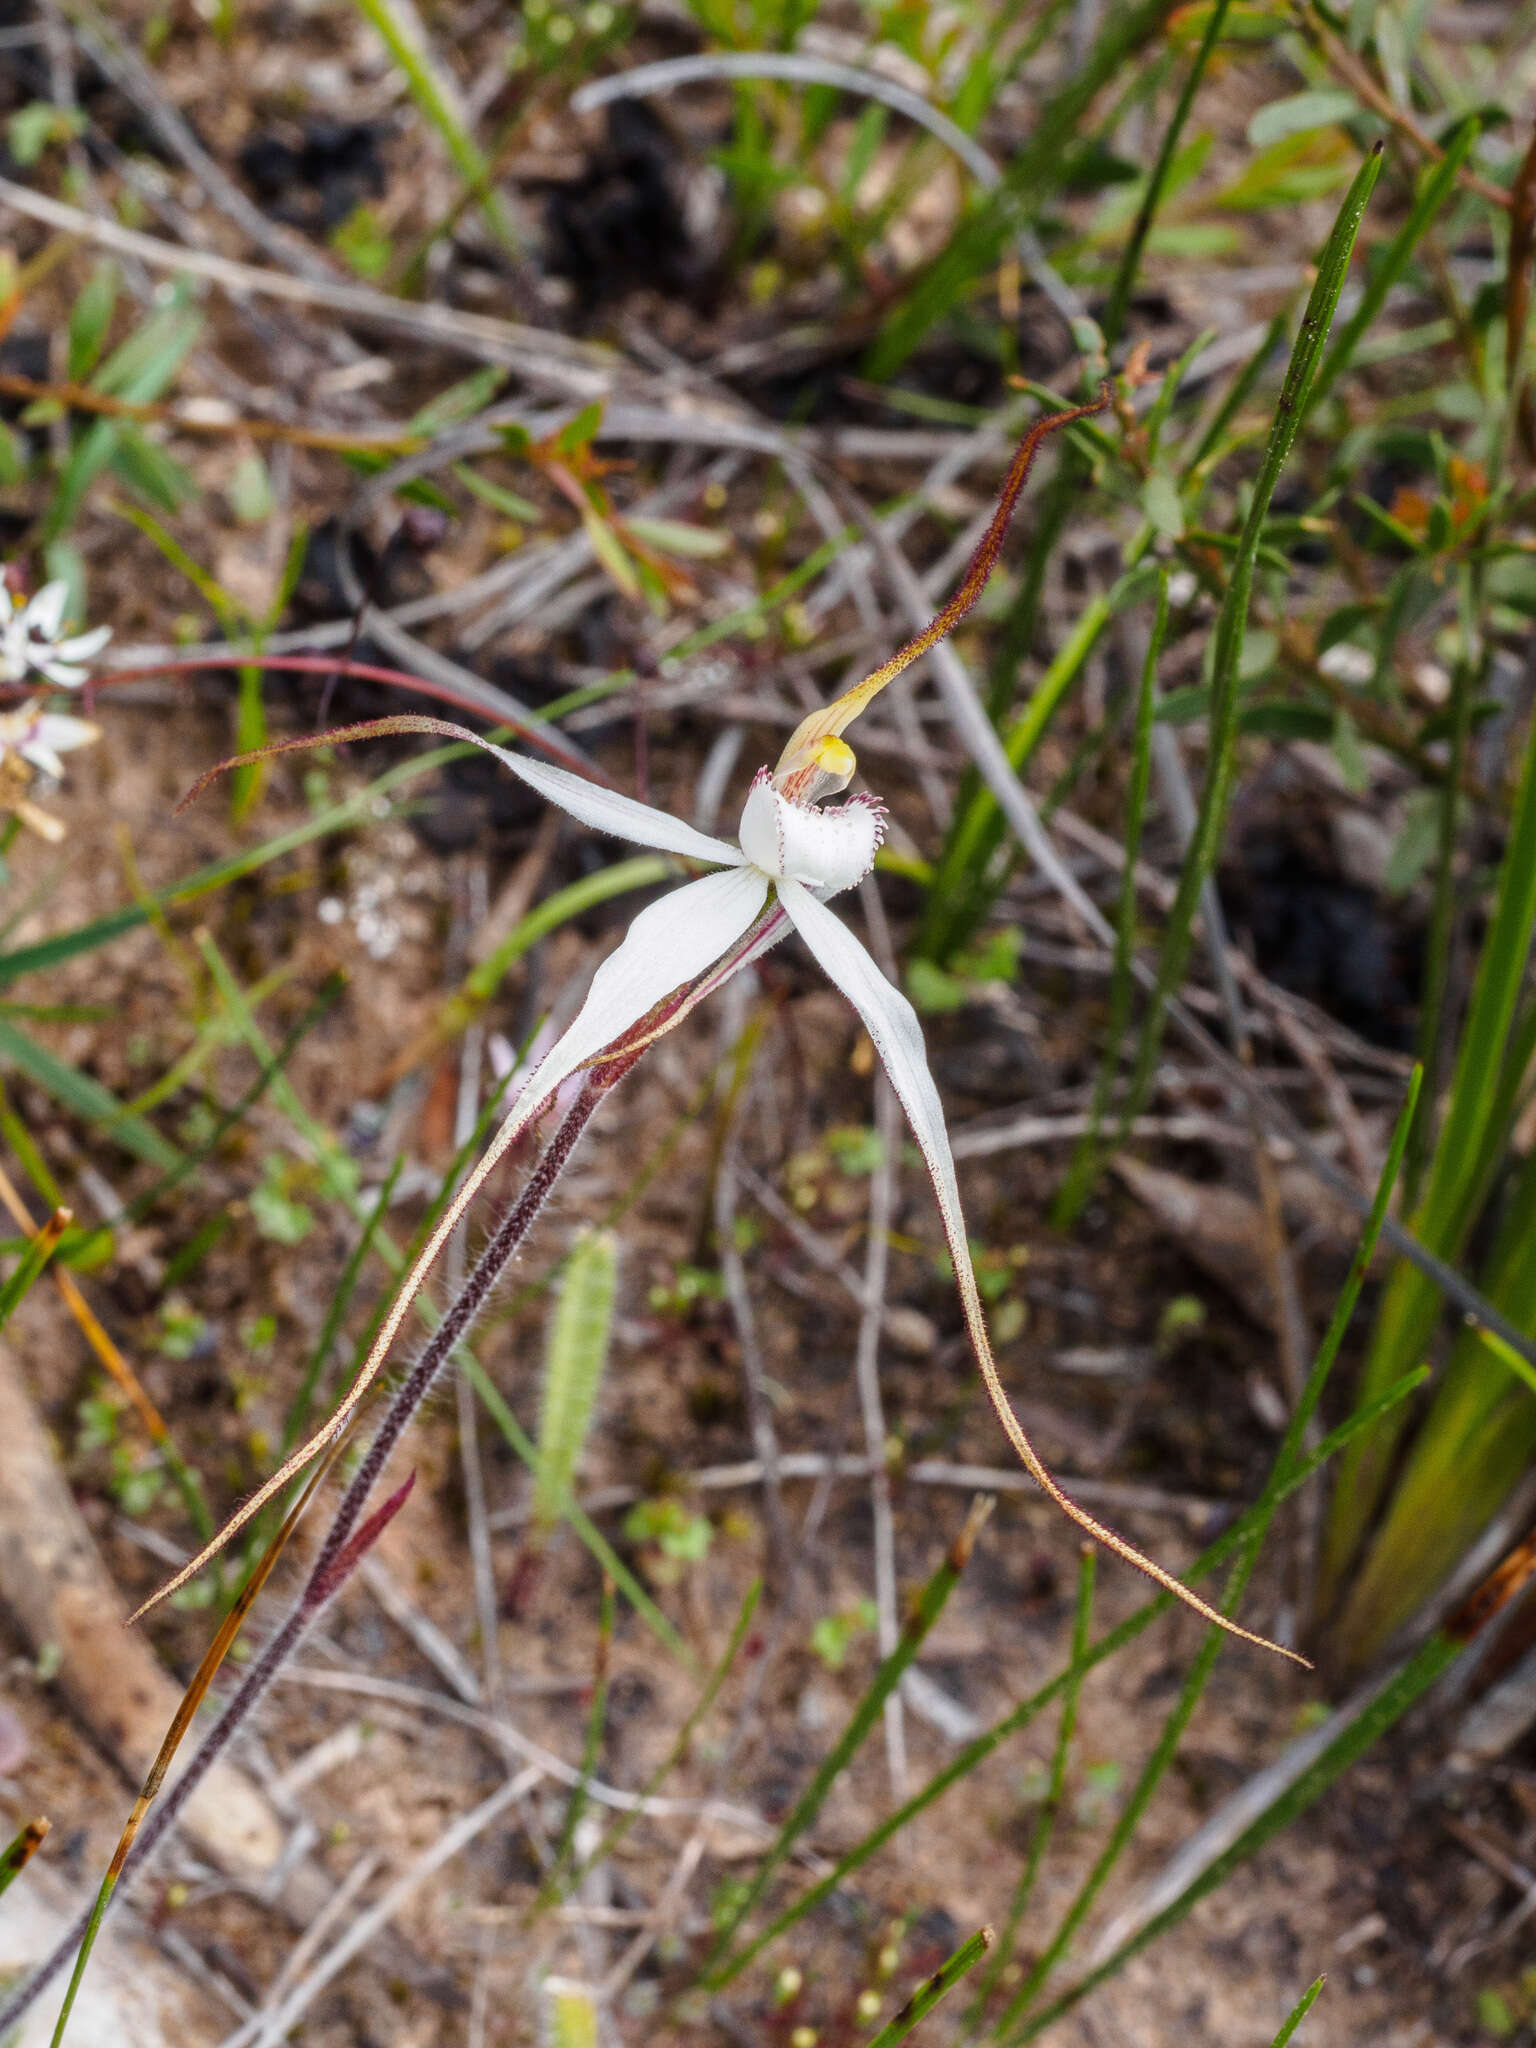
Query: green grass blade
<point x="328" y="993"/>
<point x="963" y="887"/>
<point x="39" y="1249"/>
<point x="577" y="1516"/>
<point x="1045" y="1821"/>
<point x="1408" y="1686"/>
<point x="1298" y="2013"/>
<point x="1290" y="1472"/>
<point x="86" y="1098"/>
<point x="19" y="1851"/>
<point x="1130" y="262"/>
<point x="980" y="1747"/>
<point x="1193" y="1688"/>
<point x="684" y="1736"/>
<point x="296" y="1421"/>
<point x="358" y="809"/>
<point x="597" y="1717"/>
<point x="939" y="1985"/>
<point x="433" y="104"/>
<point x="1031" y="176"/>
<point x="1435" y="187"/>
<point x="1083" y="1170"/>
<point x="1471" y="1139"/>
<point x="1231" y="624"/>
<point x="721" y="1968"/>
<point x="619" y="878"/>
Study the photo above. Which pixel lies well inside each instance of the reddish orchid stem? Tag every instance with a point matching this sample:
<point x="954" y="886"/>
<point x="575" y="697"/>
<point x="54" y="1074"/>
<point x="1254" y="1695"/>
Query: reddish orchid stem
<point x="537" y="734"/>
<point x="344" y="1541"/>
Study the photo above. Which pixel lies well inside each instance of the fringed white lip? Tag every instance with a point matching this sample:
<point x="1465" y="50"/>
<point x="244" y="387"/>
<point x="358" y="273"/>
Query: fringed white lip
<point x="828" y="850"/>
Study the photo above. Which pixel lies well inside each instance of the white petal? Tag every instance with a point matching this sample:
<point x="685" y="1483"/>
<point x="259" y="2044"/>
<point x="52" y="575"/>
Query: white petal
<point x="84" y="646"/>
<point x="606" y="811"/>
<point x="64" y="675"/>
<point x="43" y="758"/>
<point x="668" y="944"/>
<point x="892" y="1024"/>
<point x="62" y="734"/>
<point x="45" y="614"/>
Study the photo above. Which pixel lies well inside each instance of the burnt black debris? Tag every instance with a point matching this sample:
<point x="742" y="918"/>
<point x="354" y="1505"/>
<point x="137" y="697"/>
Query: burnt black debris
<point x="620" y="226"/>
<point x="321" y="175"/>
<point x="1342" y="946"/>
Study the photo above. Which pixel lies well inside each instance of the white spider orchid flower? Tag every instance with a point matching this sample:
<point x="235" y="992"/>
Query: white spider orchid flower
<point x="32" y="740"/>
<point x="685" y="946"/>
<point x="32" y="641"/>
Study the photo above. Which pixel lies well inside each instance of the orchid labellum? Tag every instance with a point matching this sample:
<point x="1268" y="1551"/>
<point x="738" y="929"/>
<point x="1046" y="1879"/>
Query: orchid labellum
<point x="794" y="852"/>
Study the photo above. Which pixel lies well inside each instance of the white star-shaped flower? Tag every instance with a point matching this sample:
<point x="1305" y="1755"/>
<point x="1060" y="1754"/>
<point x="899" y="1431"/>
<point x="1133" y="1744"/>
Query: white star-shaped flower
<point x="39" y="737"/>
<point x="31" y="642"/>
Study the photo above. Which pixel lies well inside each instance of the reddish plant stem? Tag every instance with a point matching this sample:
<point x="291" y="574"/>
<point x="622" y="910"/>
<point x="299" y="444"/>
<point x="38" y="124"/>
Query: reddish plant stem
<point x="341" y="1548"/>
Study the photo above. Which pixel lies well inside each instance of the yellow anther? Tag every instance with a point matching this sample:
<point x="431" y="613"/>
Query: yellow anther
<point x="835" y="756"/>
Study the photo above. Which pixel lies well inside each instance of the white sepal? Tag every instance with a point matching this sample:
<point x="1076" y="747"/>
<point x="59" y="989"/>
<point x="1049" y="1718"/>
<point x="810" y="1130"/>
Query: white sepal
<point x="604" y="810"/>
<point x="45" y="613"/>
<point x="670" y="943"/>
<point x="829" y="850"/>
<point x="892" y="1025"/>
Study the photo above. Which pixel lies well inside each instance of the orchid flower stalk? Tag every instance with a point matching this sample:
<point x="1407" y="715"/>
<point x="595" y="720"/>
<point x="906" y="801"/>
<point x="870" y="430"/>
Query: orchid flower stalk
<point x="792" y="855"/>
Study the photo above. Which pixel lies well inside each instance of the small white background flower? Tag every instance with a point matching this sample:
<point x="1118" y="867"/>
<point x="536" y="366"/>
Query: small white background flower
<point x="31" y="643"/>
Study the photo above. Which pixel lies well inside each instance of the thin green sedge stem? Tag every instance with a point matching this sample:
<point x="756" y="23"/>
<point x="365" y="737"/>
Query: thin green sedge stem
<point x="272" y="1064"/>
<point x="1087" y="1157"/>
<point x="341" y="817"/>
<point x="296" y="1421"/>
<point x="1435" y="187"/>
<point x="1045" y="1820"/>
<point x="1119" y="300"/>
<point x="572" y="1511"/>
<point x="983" y="232"/>
<point x="682" y="1742"/>
<point x="1471" y="1143"/>
<point x="1433" y="1023"/>
<point x="1298" y="2013"/>
<point x="40" y="1248"/>
<point x="432" y="102"/>
<point x="939" y="1985"/>
<point x="1193" y="1689"/>
<point x="20" y="1850"/>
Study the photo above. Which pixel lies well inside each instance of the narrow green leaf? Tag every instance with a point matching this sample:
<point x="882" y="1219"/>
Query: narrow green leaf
<point x="575" y="1359"/>
<point x="1435" y="187"/>
<point x="86" y="1098"/>
<point x="19" y="1851"/>
<point x="927" y="1996"/>
<point x="39" y="1250"/>
<point x="90" y="318"/>
<point x="1298" y="2013"/>
<point x="1323" y="107"/>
